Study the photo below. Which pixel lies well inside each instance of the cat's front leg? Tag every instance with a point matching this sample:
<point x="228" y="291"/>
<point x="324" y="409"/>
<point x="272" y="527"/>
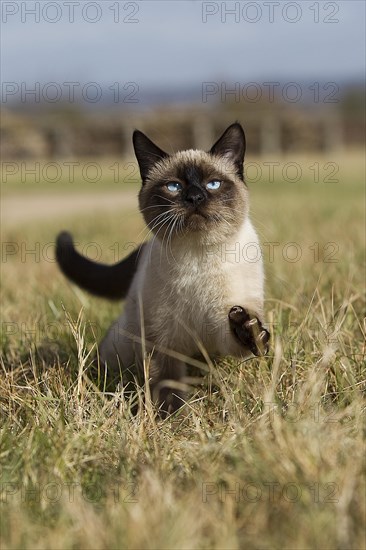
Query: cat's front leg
<point x="248" y="330"/>
<point x="167" y="386"/>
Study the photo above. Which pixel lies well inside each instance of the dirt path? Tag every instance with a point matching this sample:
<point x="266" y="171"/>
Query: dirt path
<point x="22" y="209"/>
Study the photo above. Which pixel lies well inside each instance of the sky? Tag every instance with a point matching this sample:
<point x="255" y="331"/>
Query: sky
<point x="181" y="44"/>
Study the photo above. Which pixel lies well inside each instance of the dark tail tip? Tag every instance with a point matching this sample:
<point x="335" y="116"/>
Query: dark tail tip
<point x="64" y="250"/>
<point x="64" y="240"/>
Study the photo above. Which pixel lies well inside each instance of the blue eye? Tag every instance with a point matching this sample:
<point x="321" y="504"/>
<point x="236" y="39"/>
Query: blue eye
<point x="213" y="185"/>
<point x="174" y="186"/>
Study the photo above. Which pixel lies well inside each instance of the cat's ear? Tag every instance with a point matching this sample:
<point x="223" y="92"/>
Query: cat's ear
<point x="231" y="146"/>
<point x="147" y="153"/>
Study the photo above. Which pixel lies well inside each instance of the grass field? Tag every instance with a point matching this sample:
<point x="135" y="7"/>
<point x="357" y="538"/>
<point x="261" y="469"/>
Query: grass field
<point x="270" y="452"/>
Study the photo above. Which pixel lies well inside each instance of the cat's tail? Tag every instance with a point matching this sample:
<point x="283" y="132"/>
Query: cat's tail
<point x="108" y="281"/>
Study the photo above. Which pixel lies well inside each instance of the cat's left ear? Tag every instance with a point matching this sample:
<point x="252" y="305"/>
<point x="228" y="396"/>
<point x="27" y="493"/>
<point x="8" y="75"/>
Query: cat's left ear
<point x="147" y="153"/>
<point x="231" y="146"/>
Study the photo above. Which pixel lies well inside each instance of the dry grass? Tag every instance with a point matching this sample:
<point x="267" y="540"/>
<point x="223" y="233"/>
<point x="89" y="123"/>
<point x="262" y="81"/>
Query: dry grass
<point x="269" y="454"/>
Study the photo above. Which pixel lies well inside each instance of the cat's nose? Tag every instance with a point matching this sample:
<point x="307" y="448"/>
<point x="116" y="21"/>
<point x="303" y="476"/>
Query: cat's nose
<point x="194" y="196"/>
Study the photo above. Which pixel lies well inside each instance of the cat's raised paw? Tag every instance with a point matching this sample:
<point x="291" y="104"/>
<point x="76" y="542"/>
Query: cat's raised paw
<point x="249" y="330"/>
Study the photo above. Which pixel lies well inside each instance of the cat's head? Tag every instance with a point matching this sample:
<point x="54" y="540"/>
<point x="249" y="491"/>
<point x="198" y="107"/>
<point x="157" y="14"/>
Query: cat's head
<point x="193" y="191"/>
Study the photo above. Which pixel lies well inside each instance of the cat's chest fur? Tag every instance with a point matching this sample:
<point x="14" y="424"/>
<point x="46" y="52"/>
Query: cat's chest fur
<point x="190" y="289"/>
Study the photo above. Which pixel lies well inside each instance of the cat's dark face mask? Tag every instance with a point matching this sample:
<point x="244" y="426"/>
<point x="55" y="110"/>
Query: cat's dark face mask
<point x="193" y="191"/>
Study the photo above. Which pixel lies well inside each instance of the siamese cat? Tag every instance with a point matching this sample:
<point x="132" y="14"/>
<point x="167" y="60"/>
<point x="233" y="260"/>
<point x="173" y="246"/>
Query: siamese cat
<point x="192" y="288"/>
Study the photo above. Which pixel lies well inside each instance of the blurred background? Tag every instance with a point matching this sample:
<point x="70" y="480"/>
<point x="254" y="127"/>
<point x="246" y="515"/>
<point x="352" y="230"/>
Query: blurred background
<point x="78" y="77"/>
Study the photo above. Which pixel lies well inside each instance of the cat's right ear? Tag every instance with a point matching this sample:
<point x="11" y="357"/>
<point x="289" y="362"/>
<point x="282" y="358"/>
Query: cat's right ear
<point x="231" y="146"/>
<point x="147" y="153"/>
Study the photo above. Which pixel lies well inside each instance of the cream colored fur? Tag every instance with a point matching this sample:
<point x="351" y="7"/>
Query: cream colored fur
<point x="181" y="295"/>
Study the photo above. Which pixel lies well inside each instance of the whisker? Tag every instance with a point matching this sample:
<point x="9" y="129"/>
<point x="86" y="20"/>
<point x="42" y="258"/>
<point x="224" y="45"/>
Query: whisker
<point x="152" y="206"/>
<point x="150" y="229"/>
<point x="170" y="236"/>
<point x="165" y="232"/>
<point x="164" y="198"/>
<point x="161" y="223"/>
